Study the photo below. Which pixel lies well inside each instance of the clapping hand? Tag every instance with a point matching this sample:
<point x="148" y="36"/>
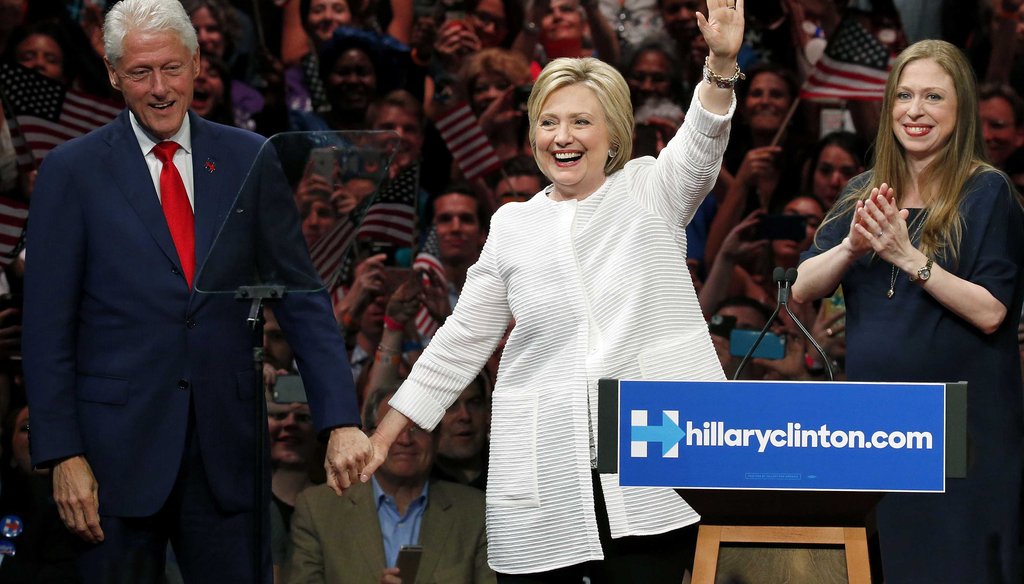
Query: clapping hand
<point x="883" y="226"/>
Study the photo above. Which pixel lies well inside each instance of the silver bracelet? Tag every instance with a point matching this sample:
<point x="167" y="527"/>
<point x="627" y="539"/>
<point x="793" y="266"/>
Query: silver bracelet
<point x="723" y="82"/>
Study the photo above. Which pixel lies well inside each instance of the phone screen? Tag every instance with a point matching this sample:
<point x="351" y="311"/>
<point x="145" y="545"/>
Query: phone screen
<point x="772" y="346"/>
<point x="792" y="227"/>
<point x="288" y="389"/>
<point x="409" y="562"/>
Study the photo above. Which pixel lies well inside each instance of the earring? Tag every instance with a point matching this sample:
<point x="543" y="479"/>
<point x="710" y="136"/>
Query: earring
<point x="612" y="153"/>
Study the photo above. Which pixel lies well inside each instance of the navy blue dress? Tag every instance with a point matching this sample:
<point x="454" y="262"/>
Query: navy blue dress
<point x="969" y="533"/>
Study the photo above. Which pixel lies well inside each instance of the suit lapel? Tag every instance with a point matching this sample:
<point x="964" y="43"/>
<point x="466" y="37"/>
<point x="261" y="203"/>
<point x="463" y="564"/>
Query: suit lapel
<point x="214" y="186"/>
<point x="127" y="166"/>
<point x="437" y="523"/>
<point x="368" y="542"/>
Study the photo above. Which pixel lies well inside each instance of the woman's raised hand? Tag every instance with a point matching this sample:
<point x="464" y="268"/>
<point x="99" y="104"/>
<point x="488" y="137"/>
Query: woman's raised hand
<point x="723" y="29"/>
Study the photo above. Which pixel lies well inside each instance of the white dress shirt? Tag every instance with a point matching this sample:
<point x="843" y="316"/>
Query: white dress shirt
<point x="182" y="156"/>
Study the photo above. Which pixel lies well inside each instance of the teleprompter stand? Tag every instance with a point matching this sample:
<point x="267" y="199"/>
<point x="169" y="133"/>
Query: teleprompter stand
<point x="260" y="254"/>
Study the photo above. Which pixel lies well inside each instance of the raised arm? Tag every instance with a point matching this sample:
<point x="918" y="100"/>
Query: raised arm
<point x="723" y="32"/>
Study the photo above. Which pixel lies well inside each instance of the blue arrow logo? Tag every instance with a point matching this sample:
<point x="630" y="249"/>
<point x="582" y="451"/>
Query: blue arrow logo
<point x="668" y="433"/>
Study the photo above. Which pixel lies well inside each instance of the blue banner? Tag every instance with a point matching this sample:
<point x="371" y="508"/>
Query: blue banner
<point x="782" y="435"/>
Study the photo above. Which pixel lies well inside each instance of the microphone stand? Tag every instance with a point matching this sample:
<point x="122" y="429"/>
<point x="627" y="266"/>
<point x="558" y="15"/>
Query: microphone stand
<point x="785" y="280"/>
<point x="790" y="278"/>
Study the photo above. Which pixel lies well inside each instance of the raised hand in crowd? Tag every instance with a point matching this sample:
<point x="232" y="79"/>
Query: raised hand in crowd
<point x="434" y="296"/>
<point x="501" y="111"/>
<point x="829" y="329"/>
<point x="737" y="248"/>
<point x="455" y="40"/>
<point x="792" y="366"/>
<point x="367" y="285"/>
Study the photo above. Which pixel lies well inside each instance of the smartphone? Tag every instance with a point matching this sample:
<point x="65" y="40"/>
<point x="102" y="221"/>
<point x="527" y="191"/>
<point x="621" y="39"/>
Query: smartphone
<point x="721" y="325"/>
<point x="288" y="389"/>
<point x="772" y="346"/>
<point x="409" y="562"/>
<point x="792" y="227"/>
<point x="646" y="140"/>
<point x="521" y="96"/>
<point x="323" y="161"/>
<point x="395" y="256"/>
<point x="454" y="10"/>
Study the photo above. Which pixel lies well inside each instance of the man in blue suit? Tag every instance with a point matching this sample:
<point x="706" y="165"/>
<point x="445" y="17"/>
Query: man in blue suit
<point x="142" y="390"/>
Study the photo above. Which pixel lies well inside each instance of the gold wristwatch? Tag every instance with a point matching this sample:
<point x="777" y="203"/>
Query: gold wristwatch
<point x="923" y="273"/>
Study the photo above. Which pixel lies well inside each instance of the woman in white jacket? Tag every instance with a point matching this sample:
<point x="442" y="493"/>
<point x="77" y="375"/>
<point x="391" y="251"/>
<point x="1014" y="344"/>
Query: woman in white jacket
<point x="593" y="271"/>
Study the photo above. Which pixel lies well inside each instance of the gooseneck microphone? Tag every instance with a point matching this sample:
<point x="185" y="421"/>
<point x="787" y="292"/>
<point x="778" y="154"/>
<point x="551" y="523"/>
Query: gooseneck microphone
<point x="784" y="279"/>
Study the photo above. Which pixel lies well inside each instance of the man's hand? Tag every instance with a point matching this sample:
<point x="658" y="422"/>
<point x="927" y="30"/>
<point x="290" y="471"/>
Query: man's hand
<point x="390" y="576"/>
<point x="75" y="492"/>
<point x="348" y="452"/>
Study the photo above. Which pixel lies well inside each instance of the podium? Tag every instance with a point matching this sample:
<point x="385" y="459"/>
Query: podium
<point x="782" y="464"/>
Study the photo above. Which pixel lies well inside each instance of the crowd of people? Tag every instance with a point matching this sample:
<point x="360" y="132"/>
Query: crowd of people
<point x="605" y="133"/>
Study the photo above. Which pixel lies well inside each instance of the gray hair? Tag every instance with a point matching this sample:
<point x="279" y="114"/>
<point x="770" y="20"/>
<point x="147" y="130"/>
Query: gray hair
<point x="379" y="396"/>
<point x="148" y="16"/>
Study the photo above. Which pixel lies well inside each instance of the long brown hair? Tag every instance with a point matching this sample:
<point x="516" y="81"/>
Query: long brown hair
<point x="942" y="181"/>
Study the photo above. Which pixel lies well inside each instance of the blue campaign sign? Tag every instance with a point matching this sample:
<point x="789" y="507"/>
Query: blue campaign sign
<point x="782" y="435"/>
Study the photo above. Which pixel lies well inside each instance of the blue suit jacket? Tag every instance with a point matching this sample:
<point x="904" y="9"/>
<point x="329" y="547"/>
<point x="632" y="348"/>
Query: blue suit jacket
<point x="115" y="344"/>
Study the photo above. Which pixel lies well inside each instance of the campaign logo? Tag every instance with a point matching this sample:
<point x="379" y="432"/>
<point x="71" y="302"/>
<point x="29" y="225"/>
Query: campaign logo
<point x="668" y="434"/>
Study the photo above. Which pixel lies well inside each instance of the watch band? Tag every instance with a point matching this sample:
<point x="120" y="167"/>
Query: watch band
<point x="923" y="273"/>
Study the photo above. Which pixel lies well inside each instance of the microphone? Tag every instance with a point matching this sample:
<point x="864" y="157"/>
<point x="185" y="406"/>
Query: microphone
<point x="785" y="279"/>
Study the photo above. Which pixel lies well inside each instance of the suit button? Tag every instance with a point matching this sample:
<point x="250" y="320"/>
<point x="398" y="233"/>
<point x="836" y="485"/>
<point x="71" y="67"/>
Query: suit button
<point x="190" y="323"/>
<point x="175" y="270"/>
<point x="183" y="384"/>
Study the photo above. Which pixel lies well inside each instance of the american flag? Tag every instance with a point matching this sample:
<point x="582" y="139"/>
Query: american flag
<point x="855" y="66"/>
<point x="467" y="143"/>
<point x="429" y="260"/>
<point x="390" y="218"/>
<point x="328" y="252"/>
<point x="13" y="216"/>
<point x="43" y="114"/>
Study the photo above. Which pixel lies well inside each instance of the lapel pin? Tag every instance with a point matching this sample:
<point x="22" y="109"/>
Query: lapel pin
<point x="210" y="165"/>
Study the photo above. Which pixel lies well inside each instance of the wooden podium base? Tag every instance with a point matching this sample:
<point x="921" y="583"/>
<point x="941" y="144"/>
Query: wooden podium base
<point x="853" y="541"/>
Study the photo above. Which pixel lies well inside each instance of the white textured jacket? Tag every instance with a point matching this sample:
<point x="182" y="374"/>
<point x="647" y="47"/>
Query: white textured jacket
<point x="598" y="288"/>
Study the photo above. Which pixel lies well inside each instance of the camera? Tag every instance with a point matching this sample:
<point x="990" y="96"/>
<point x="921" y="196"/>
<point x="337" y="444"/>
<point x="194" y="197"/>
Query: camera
<point x="521" y="96"/>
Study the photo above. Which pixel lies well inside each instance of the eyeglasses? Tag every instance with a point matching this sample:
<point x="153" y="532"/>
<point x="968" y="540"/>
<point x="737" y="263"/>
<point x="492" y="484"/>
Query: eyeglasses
<point x="145" y="76"/>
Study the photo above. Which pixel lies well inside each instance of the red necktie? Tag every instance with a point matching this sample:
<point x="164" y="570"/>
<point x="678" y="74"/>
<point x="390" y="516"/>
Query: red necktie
<point x="177" y="209"/>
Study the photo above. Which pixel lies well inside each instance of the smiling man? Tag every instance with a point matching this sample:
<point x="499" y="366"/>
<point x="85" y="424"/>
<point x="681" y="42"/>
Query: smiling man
<point x="142" y="391"/>
<point x="461" y="223"/>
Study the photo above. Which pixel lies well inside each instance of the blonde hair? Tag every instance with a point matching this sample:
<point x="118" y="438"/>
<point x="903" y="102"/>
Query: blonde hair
<point x="943" y="180"/>
<point x="511" y="65"/>
<point x="611" y="91"/>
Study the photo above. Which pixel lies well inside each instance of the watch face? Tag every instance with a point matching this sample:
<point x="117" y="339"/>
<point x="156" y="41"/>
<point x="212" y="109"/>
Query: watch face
<point x="924" y="274"/>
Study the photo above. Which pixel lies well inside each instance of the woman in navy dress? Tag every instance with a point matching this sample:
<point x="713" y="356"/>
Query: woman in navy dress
<point x="928" y="247"/>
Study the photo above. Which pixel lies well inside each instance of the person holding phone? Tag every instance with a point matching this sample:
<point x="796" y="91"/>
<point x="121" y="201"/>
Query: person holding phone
<point x="592" y="269"/>
<point x="928" y="247"/>
<point x="401" y="527"/>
